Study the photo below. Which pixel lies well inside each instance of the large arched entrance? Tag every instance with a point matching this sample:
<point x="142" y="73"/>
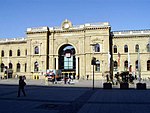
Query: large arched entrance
<point x="67" y="60"/>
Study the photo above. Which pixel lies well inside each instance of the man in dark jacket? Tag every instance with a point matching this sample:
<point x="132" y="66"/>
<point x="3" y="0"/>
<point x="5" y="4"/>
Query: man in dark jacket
<point x="21" y="86"/>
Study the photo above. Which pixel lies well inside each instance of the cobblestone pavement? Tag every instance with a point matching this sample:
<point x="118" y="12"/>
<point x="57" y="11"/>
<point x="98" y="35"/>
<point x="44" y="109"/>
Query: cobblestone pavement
<point x="77" y="98"/>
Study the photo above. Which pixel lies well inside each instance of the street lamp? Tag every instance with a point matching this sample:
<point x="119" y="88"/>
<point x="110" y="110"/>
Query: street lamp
<point x="93" y="61"/>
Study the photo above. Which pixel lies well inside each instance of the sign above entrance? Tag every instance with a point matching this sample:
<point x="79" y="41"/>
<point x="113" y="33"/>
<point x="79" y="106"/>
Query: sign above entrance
<point x="66" y="24"/>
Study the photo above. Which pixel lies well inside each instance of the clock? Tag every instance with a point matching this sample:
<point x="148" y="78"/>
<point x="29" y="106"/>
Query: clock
<point x="66" y="25"/>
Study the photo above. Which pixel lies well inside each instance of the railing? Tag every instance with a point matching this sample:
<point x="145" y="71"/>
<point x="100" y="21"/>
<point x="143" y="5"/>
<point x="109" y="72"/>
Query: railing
<point x="131" y="32"/>
<point x="100" y="24"/>
<point x="12" y="39"/>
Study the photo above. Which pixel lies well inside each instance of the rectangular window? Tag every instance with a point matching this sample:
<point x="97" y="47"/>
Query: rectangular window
<point x="68" y="62"/>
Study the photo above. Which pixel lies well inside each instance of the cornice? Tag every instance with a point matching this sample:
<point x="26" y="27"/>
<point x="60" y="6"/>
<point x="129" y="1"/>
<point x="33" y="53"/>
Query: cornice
<point x="132" y="36"/>
<point x="13" y="42"/>
<point x="78" y="30"/>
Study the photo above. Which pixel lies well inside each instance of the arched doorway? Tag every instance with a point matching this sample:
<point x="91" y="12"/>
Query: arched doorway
<point x="67" y="60"/>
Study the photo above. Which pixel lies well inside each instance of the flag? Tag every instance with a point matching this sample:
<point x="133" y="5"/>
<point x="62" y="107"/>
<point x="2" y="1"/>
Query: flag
<point x="109" y="56"/>
<point x="119" y="59"/>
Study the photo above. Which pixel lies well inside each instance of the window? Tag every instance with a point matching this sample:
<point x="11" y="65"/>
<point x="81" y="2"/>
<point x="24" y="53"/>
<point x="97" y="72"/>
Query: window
<point x="126" y="65"/>
<point x="25" y="67"/>
<point x="115" y="49"/>
<point x="148" y="47"/>
<point x="148" y="65"/>
<point x="36" y="66"/>
<point x="97" y="48"/>
<point x="68" y="62"/>
<point x="115" y="65"/>
<point x="136" y="48"/>
<point x="2" y="67"/>
<point x="97" y="66"/>
<point x="136" y="65"/>
<point x="10" y="52"/>
<point x="18" y="52"/>
<point x="26" y="52"/>
<point x="2" y="53"/>
<point x="125" y="48"/>
<point x="36" y="50"/>
<point x="10" y="65"/>
<point x="18" y="67"/>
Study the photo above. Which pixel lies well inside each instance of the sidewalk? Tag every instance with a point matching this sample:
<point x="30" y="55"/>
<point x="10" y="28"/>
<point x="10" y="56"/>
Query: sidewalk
<point x="77" y="83"/>
<point x="71" y="99"/>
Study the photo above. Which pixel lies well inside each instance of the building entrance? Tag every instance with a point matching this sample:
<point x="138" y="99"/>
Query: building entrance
<point x="67" y="60"/>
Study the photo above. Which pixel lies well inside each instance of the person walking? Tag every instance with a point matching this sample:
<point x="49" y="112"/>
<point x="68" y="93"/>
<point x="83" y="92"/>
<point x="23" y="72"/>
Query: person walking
<point x="21" y="86"/>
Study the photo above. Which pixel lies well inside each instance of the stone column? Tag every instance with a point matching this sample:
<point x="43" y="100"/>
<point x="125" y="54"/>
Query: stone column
<point x="77" y="71"/>
<point x="56" y="62"/>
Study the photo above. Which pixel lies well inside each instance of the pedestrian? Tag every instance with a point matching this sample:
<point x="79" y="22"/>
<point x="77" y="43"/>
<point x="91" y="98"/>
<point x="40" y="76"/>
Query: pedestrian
<point x="87" y="77"/>
<point x="107" y="77"/>
<point x="21" y="86"/>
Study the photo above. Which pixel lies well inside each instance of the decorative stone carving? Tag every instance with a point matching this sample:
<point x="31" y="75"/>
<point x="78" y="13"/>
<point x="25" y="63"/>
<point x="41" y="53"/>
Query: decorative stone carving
<point x="66" y="24"/>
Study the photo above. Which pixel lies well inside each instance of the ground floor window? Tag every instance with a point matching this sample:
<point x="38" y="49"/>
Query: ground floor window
<point x="148" y="65"/>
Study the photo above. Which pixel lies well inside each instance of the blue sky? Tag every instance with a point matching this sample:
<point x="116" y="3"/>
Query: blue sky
<point x="18" y="15"/>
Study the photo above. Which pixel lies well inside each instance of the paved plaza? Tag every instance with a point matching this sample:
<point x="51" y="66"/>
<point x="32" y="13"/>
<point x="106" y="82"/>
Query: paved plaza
<point x="76" y="98"/>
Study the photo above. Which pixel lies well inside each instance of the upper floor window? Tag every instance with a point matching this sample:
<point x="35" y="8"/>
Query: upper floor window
<point x="148" y="65"/>
<point x="36" y="50"/>
<point x="125" y="48"/>
<point x="10" y="52"/>
<point x="18" y="52"/>
<point x="148" y="47"/>
<point x="2" y="53"/>
<point x="97" y="48"/>
<point x="115" y="49"/>
<point x="136" y="48"/>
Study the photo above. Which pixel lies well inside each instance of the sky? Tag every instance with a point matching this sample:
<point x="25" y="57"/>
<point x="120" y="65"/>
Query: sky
<point x="18" y="15"/>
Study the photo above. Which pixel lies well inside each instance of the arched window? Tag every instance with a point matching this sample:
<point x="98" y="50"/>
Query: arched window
<point x="10" y="52"/>
<point x="2" y="67"/>
<point x="2" y="53"/>
<point x="125" y="48"/>
<point x="10" y="66"/>
<point x="148" y="65"/>
<point x="126" y="65"/>
<point x="25" y="67"/>
<point x="97" y="66"/>
<point x="18" y="52"/>
<point x="36" y="50"/>
<point x="115" y="49"/>
<point x="115" y="65"/>
<point x="136" y="65"/>
<point x="148" y="47"/>
<point x="18" y="67"/>
<point x="36" y="66"/>
<point x="97" y="48"/>
<point x="136" y="48"/>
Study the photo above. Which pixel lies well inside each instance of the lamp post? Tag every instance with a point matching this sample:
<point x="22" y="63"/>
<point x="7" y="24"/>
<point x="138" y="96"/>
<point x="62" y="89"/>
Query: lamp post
<point x="93" y="62"/>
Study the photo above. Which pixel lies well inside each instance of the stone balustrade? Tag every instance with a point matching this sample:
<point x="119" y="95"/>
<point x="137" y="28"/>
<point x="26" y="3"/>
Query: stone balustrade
<point x="131" y="32"/>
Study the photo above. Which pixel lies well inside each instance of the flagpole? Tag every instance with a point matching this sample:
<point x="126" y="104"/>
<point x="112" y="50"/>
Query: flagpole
<point x="128" y="60"/>
<point x="139" y="66"/>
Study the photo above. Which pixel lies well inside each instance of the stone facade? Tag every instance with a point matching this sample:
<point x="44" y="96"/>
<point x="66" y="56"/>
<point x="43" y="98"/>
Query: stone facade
<point x="42" y="49"/>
